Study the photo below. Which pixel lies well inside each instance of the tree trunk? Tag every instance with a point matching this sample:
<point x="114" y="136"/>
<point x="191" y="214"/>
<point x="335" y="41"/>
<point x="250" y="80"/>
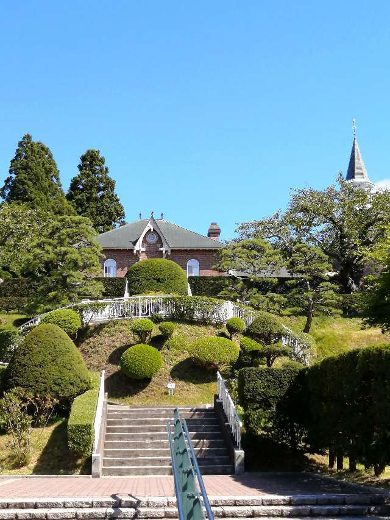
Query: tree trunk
<point x="340" y="461"/>
<point x="352" y="464"/>
<point x="332" y="459"/>
<point x="309" y="317"/>
<point x="378" y="469"/>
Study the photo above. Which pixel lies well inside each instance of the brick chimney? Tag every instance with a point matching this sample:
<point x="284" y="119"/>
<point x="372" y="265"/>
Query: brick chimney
<point x="214" y="231"/>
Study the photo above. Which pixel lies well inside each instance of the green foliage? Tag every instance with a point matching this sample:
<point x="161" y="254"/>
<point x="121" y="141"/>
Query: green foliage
<point x="2" y="375"/>
<point x="351" y="305"/>
<point x="249" y="345"/>
<point x="213" y="352"/>
<point x="142" y="329"/>
<point x="157" y="275"/>
<point x="81" y="423"/>
<point x="47" y="362"/>
<point x="260" y="391"/>
<point x="177" y="343"/>
<point x="141" y="362"/>
<point x="195" y="308"/>
<point x="167" y="328"/>
<point x="17" y="287"/>
<point x="34" y="179"/>
<point x="9" y="338"/>
<point x="265" y="328"/>
<point x="92" y="193"/>
<point x="112" y="287"/>
<point x="235" y="326"/>
<point x="63" y="262"/>
<point x="13" y="304"/>
<point x="207" y="285"/>
<point x="274" y="351"/>
<point x="67" y="319"/>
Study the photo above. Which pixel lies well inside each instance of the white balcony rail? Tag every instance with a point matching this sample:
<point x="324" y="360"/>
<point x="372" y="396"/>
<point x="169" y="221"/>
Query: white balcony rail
<point x="230" y="410"/>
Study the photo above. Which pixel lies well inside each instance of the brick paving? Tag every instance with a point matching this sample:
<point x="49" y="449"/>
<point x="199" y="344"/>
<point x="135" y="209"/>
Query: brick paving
<point x="249" y="484"/>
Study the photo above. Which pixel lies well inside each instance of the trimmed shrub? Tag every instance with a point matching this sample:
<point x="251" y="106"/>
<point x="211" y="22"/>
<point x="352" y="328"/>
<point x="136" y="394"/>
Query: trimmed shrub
<point x="260" y="391"/>
<point x="113" y="287"/>
<point x="13" y="303"/>
<point x="157" y="275"/>
<point x="214" y="351"/>
<point x="67" y="319"/>
<point x="141" y="362"/>
<point x="235" y="326"/>
<point x="81" y="423"/>
<point x="2" y="376"/>
<point x="266" y="328"/>
<point x="167" y="328"/>
<point x="208" y="285"/>
<point x="249" y="345"/>
<point x="196" y="308"/>
<point x="9" y="339"/>
<point x="47" y="362"/>
<point x="142" y="329"/>
<point x="17" y="288"/>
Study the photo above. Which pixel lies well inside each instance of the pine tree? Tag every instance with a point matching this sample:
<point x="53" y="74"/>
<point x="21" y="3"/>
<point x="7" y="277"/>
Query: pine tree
<point x="34" y="179"/>
<point x="92" y="193"/>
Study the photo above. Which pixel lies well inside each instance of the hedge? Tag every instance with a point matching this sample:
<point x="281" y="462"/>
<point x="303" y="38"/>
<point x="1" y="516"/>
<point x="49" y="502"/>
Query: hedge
<point x="17" y="287"/>
<point x="207" y="285"/>
<point x="260" y="391"/>
<point x="113" y="287"/>
<point x="47" y="362"/>
<point x="156" y="275"/>
<point x="81" y="423"/>
<point x="13" y="303"/>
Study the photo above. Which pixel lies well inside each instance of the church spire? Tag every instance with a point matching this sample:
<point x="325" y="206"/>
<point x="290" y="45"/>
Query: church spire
<point x="357" y="172"/>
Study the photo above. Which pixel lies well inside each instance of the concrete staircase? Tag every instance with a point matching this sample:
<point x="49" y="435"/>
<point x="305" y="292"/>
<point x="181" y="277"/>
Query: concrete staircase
<point x="348" y="506"/>
<point x="136" y="441"/>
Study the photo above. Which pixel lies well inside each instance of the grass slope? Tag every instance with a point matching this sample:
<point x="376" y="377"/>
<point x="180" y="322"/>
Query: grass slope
<point x="335" y="335"/>
<point x="103" y="345"/>
<point x="12" y="320"/>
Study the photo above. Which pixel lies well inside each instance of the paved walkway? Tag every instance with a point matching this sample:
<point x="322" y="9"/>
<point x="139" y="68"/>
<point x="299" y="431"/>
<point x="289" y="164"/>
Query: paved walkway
<point x="249" y="484"/>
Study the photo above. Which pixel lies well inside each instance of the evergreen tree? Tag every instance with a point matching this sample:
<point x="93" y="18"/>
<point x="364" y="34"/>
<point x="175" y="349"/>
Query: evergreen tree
<point x="34" y="179"/>
<point x="92" y="193"/>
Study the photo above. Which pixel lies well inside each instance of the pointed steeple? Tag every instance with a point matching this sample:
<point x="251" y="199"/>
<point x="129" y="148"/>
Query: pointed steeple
<point x="357" y="172"/>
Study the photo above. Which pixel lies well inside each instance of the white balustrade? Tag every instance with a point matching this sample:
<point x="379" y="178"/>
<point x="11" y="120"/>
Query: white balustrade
<point x="230" y="410"/>
<point x="98" y="413"/>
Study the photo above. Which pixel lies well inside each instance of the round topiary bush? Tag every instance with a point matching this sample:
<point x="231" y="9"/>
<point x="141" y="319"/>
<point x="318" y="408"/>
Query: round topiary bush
<point x="67" y="319"/>
<point x="47" y="362"/>
<point x="266" y="328"/>
<point x="157" y="275"/>
<point x="235" y="326"/>
<point x="249" y="345"/>
<point x="167" y="328"/>
<point x="141" y="361"/>
<point x="214" y="351"/>
<point x="142" y="329"/>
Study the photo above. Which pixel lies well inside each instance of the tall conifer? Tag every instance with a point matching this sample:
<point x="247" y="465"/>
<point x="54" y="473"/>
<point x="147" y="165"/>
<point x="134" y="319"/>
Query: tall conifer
<point x="92" y="193"/>
<point x="34" y="179"/>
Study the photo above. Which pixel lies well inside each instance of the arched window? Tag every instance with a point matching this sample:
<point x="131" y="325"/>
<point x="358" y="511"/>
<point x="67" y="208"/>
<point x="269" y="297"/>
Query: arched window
<point x="109" y="268"/>
<point x="192" y="267"/>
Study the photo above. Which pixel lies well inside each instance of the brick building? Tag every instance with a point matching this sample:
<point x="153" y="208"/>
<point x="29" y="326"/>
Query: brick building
<point x="157" y="238"/>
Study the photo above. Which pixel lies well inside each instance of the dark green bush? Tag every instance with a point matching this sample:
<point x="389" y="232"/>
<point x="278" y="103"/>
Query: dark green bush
<point x="167" y="328"/>
<point x="81" y="423"/>
<point x="266" y="328"/>
<point x="13" y="303"/>
<point x="142" y="329"/>
<point x="214" y="351"/>
<point x="260" y="391"/>
<point x="157" y="275"/>
<point x="113" y="287"/>
<point x="47" y="362"/>
<point x="9" y="338"/>
<point x="17" y="288"/>
<point x="235" y="326"/>
<point x="207" y="285"/>
<point x="141" y="362"/>
<point x="67" y="319"/>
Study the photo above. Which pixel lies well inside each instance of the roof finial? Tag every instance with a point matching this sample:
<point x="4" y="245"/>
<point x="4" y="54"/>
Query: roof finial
<point x="152" y="214"/>
<point x="140" y="216"/>
<point x="162" y="216"/>
<point x="354" y="127"/>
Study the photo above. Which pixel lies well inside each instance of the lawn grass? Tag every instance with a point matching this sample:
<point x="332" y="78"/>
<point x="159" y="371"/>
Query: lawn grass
<point x="335" y="335"/>
<point x="103" y="345"/>
<point x="49" y="453"/>
<point x="12" y="320"/>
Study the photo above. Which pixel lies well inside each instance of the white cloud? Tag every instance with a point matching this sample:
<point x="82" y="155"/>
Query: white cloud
<point x="383" y="185"/>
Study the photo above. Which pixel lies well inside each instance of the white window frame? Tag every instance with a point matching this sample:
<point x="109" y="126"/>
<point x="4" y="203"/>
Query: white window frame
<point x="110" y="268"/>
<point x="193" y="265"/>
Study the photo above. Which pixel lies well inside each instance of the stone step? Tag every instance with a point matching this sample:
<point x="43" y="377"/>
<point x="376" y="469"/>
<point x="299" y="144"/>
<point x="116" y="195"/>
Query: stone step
<point x="162" y="470"/>
<point x="158" y="443"/>
<point x="164" y="409"/>
<point x="160" y="413"/>
<point x="145" y="436"/>
<point x="161" y="461"/>
<point x="158" y="428"/>
<point x="159" y="452"/>
<point x="114" y="420"/>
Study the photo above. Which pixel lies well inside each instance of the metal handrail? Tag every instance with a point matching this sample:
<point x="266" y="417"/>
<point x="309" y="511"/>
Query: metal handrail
<point x="187" y="476"/>
<point x="230" y="410"/>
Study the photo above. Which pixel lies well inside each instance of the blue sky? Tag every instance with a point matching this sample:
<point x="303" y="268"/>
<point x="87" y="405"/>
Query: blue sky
<point x="206" y="110"/>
